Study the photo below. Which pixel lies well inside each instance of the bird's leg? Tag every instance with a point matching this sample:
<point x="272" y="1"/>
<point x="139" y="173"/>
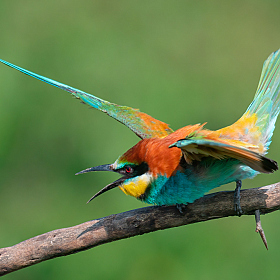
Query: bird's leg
<point x="181" y="207"/>
<point x="259" y="228"/>
<point x="237" y="206"/>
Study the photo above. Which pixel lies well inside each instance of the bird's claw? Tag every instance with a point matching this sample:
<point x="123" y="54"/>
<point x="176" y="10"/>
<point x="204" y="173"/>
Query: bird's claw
<point x="237" y="208"/>
<point x="181" y="207"/>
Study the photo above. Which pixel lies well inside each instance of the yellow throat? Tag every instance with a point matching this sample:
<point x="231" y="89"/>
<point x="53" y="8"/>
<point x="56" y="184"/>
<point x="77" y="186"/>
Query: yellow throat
<point x="136" y="186"/>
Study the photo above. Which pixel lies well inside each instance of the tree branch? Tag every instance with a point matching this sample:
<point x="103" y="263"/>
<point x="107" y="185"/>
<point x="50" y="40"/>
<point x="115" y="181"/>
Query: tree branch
<point x="71" y="240"/>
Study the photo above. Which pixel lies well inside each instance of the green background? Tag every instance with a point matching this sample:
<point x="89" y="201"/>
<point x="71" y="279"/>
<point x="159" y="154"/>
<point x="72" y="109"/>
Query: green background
<point x="183" y="62"/>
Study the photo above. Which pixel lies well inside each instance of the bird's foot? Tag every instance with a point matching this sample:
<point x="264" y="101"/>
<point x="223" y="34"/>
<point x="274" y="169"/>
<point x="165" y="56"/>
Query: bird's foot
<point x="237" y="206"/>
<point x="181" y="207"/>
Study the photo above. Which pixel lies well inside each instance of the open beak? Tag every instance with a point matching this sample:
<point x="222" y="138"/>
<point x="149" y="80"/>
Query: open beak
<point x="105" y="167"/>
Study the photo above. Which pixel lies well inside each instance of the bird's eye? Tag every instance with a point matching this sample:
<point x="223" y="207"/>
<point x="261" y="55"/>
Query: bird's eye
<point x="128" y="169"/>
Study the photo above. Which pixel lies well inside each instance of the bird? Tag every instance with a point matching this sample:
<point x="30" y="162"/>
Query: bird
<point x="168" y="167"/>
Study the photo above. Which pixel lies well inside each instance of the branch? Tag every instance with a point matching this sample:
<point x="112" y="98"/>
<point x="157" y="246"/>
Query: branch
<point x="66" y="241"/>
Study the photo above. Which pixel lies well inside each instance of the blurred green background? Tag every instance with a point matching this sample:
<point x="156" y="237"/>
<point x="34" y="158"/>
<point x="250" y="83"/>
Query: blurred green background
<point x="183" y="62"/>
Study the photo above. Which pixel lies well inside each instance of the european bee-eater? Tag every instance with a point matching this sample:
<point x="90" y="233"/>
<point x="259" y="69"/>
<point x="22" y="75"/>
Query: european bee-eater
<point x="169" y="167"/>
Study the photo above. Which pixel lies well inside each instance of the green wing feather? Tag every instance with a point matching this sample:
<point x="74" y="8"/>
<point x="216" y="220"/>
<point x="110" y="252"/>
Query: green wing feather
<point x="140" y="123"/>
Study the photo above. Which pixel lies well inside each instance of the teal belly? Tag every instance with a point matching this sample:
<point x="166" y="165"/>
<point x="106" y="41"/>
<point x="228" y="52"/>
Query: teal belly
<point x="197" y="179"/>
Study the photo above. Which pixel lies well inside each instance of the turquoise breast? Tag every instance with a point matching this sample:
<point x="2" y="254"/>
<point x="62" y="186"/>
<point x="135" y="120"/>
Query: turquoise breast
<point x="196" y="180"/>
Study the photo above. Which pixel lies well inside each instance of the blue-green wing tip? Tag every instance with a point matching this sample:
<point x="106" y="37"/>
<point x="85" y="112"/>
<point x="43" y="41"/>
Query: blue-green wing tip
<point x="85" y="97"/>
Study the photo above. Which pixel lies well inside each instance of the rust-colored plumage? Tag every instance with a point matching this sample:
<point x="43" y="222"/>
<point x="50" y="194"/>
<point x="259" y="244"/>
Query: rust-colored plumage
<point x="157" y="154"/>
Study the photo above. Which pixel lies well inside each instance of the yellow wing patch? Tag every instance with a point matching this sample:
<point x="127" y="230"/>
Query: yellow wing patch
<point x="244" y="130"/>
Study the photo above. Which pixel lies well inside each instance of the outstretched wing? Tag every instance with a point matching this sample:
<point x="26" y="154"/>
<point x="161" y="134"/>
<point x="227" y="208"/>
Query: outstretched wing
<point x="140" y="123"/>
<point x="197" y="146"/>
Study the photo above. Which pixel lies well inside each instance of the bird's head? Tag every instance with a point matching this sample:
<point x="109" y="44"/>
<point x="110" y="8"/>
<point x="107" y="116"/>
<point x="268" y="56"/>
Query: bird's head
<point x="141" y="166"/>
<point x="133" y="169"/>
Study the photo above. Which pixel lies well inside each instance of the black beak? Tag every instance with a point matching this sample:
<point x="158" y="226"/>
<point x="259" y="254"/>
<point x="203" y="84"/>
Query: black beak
<point x="105" y="167"/>
<point x="108" y="187"/>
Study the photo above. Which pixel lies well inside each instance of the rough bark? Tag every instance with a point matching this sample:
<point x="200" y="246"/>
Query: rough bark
<point x="81" y="237"/>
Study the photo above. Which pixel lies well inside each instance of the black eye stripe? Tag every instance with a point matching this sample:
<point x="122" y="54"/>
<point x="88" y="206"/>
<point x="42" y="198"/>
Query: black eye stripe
<point x="142" y="168"/>
<point x="133" y="170"/>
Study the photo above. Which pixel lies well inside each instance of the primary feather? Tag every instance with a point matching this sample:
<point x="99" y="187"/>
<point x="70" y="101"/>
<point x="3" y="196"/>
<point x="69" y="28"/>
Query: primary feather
<point x="257" y="124"/>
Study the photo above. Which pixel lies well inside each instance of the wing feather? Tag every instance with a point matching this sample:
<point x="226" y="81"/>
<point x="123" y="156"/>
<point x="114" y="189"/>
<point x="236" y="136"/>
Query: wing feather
<point x="140" y="123"/>
<point x="198" y="146"/>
